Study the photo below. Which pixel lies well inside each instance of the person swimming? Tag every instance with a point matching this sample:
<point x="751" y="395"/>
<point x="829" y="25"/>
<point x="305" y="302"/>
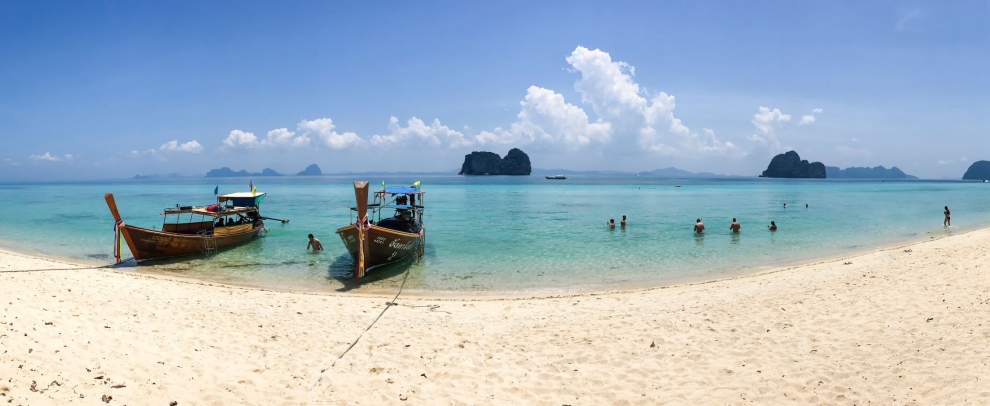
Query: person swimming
<point x="623" y="223"/>
<point x="772" y="226"/>
<point x="785" y="205"/>
<point x="948" y="220"/>
<point x="610" y="224"/>
<point x="699" y="227"/>
<point x="735" y="226"/>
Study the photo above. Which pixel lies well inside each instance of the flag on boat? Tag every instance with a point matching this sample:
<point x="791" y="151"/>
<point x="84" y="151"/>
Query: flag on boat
<point x="254" y="191"/>
<point x="416" y="185"/>
<point x="216" y="190"/>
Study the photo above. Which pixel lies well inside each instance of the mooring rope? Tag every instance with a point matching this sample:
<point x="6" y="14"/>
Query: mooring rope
<point x="387" y="306"/>
<point x="66" y="269"/>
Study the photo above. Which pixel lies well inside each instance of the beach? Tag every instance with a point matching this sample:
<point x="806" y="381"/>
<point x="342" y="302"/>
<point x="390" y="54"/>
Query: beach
<point x="899" y="325"/>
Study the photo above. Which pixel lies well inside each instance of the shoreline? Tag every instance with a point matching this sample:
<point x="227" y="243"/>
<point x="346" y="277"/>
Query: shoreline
<point x="719" y="273"/>
<point x="901" y="324"/>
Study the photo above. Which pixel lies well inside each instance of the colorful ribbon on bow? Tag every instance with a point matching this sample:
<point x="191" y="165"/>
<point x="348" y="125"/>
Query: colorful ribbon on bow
<point x="117" y="248"/>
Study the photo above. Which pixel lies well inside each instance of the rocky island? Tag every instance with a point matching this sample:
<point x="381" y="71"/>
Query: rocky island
<point x="790" y="165"/>
<point x="979" y="170"/>
<point x="877" y="172"/>
<point x="226" y="172"/>
<point x="312" y="170"/>
<point x="515" y="162"/>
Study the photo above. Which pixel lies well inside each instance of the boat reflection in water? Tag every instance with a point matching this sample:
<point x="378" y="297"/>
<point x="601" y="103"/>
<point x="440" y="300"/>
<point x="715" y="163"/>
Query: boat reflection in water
<point x="374" y="241"/>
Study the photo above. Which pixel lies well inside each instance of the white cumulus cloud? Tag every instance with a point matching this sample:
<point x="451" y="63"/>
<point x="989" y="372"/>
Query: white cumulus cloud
<point x="191" y="147"/>
<point x="416" y="130"/>
<point x="322" y="128"/>
<point x="767" y="121"/>
<point x="809" y="118"/>
<point x="282" y="137"/>
<point x="238" y="139"/>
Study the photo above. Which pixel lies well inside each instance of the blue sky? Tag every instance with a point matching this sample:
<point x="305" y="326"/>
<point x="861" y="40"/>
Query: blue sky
<point x="113" y="89"/>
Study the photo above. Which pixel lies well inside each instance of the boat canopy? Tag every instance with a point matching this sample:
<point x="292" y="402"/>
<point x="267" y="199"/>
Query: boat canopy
<point x="398" y="190"/>
<point x="242" y="199"/>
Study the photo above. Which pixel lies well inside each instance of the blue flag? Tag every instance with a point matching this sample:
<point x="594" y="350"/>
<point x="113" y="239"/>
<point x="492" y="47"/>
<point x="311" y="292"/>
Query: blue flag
<point x="216" y="190"/>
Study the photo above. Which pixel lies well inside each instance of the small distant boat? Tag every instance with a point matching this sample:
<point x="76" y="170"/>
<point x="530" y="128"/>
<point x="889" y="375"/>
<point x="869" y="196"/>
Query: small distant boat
<point x="376" y="243"/>
<point x="985" y="181"/>
<point x="188" y="230"/>
<point x="677" y="185"/>
<point x="556" y="177"/>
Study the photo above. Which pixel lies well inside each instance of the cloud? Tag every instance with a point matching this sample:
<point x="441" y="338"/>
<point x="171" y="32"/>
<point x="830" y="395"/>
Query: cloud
<point x="191" y="147"/>
<point x="617" y="101"/>
<point x="238" y="139"/>
<point x="47" y="157"/>
<point x="952" y="161"/>
<point x="282" y="137"/>
<point x="849" y="151"/>
<point x="416" y="130"/>
<point x="767" y="121"/>
<point x="625" y="118"/>
<point x="906" y="16"/>
<point x="10" y="162"/>
<point x="810" y="118"/>
<point x="322" y="128"/>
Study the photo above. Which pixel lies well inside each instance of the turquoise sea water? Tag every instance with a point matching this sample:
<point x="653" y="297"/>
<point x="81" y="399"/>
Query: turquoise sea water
<point x="511" y="234"/>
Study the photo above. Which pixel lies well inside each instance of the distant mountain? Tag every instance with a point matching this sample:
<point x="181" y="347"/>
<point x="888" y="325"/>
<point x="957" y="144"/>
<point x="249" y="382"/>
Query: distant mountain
<point x="312" y="170"/>
<point x="790" y="165"/>
<point x="979" y="170"/>
<point x="879" y="172"/>
<point x="226" y="172"/>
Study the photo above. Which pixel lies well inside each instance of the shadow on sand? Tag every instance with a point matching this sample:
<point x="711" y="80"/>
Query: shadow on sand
<point x="342" y="271"/>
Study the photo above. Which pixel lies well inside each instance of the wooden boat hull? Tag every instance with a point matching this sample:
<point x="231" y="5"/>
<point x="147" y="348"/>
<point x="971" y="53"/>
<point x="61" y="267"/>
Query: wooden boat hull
<point x="383" y="245"/>
<point x="151" y="244"/>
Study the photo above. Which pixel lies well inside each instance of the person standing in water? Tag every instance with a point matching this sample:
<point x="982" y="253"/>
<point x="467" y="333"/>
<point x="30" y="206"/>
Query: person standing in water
<point x="947" y="221"/>
<point x="610" y="224"/>
<point x="623" y="223"/>
<point x="772" y="226"/>
<point x="699" y="227"/>
<point x="314" y="243"/>
<point x="735" y="226"/>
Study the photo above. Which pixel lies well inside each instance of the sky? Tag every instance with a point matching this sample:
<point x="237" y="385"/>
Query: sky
<point x="103" y="90"/>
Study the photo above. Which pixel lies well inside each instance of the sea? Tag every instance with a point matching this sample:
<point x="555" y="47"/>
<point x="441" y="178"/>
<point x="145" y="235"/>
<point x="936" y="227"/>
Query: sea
<point x="507" y="235"/>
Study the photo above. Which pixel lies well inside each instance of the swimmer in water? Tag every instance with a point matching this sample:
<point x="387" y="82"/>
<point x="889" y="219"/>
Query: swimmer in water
<point x="699" y="227"/>
<point x="623" y="223"/>
<point x="314" y="243"/>
<point x="947" y="221"/>
<point x="610" y="224"/>
<point x="735" y="226"/>
<point x="772" y="226"/>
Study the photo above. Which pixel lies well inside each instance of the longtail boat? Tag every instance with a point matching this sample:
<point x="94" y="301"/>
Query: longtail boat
<point x="188" y="230"/>
<point x="374" y="241"/>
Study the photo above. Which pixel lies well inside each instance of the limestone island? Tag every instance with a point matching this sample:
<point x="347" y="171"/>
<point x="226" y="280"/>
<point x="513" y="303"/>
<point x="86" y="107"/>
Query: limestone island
<point x="979" y="170"/>
<point x="515" y="162"/>
<point x="226" y="172"/>
<point x="312" y="170"/>
<point x="877" y="172"/>
<point x="790" y="165"/>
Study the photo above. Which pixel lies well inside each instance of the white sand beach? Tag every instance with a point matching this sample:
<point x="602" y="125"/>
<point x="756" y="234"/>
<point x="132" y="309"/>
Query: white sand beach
<point x="902" y="325"/>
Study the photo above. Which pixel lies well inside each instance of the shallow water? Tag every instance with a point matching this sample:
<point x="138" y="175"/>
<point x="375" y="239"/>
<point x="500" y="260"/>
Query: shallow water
<point x="511" y="234"/>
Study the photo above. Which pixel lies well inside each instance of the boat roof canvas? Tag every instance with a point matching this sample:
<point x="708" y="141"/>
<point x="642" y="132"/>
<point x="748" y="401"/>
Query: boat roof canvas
<point x="246" y="199"/>
<point x="397" y="190"/>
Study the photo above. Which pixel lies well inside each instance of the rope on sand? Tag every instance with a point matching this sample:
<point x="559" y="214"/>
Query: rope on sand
<point x="66" y="269"/>
<point x="387" y="306"/>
